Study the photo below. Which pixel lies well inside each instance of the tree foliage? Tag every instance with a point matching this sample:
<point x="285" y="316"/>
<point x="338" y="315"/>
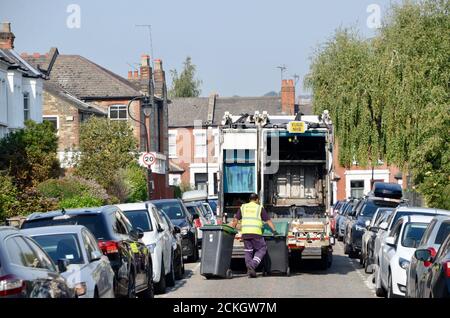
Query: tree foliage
<point x="389" y="96"/>
<point x="105" y="147"/>
<point x="185" y="84"/>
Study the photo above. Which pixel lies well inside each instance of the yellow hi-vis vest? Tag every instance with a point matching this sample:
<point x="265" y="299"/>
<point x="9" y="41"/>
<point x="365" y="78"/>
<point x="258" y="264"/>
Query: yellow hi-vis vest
<point x="251" y="222"/>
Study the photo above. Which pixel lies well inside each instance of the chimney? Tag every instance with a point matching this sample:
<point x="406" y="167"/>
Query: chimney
<point x="130" y="75"/>
<point x="145" y="67"/>
<point x="6" y="36"/>
<point x="136" y="75"/>
<point x="288" y="97"/>
<point x="160" y="79"/>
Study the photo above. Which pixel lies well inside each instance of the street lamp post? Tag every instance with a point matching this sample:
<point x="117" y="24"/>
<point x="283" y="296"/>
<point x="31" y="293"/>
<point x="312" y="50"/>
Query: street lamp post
<point x="147" y="108"/>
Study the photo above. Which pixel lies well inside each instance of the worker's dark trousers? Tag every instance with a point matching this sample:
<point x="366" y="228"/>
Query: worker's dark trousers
<point x="254" y="249"/>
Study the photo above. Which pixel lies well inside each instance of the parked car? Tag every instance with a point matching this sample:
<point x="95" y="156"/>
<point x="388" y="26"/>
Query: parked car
<point x="340" y="217"/>
<point x="334" y="215"/>
<point x="369" y="236"/>
<point x="117" y="239"/>
<point x="348" y="219"/>
<point x="158" y="239"/>
<point x="179" y="215"/>
<point x="88" y="270"/>
<point x="396" y="253"/>
<point x="196" y="208"/>
<point x="437" y="278"/>
<point x="383" y="195"/>
<point x="213" y="204"/>
<point x="26" y="270"/>
<point x="200" y="197"/>
<point x="178" y="262"/>
<point x="435" y="235"/>
<point x="385" y="227"/>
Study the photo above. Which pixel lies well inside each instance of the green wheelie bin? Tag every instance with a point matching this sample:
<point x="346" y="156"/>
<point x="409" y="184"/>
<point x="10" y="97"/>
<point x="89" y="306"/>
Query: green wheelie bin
<point x="276" y="261"/>
<point x="217" y="248"/>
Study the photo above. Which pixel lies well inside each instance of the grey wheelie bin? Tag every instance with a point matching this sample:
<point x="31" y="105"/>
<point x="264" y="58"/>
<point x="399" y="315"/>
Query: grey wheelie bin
<point x="276" y="261"/>
<point x="217" y="248"/>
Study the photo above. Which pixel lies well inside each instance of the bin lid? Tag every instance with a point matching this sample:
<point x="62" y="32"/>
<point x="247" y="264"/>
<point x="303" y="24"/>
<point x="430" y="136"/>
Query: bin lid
<point x="222" y="227"/>
<point x="282" y="228"/>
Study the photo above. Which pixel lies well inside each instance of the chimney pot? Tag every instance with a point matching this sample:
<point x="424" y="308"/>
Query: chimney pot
<point x="130" y="75"/>
<point x="6" y="36"/>
<point x="158" y="64"/>
<point x="136" y="74"/>
<point x="145" y="60"/>
<point x="6" y="27"/>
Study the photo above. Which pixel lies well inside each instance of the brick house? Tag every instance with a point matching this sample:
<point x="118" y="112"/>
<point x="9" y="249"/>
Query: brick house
<point x="80" y="88"/>
<point x="193" y="148"/>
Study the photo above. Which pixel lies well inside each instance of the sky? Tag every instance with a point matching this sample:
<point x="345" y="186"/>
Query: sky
<point x="235" y="44"/>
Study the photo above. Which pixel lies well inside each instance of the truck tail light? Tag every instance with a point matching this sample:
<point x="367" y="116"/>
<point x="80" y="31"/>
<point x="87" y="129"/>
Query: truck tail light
<point x="108" y="247"/>
<point x="10" y="285"/>
<point x="433" y="255"/>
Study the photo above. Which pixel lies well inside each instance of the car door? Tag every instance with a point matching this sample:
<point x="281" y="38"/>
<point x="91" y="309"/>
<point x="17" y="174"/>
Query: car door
<point x="165" y="240"/>
<point x="389" y="251"/>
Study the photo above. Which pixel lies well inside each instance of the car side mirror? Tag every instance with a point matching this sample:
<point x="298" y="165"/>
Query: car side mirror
<point x="374" y="229"/>
<point x="195" y="217"/>
<point x="62" y="265"/>
<point x="160" y="228"/>
<point x="137" y="233"/>
<point x="367" y="224"/>
<point x="423" y="255"/>
<point x="384" y="226"/>
<point x="176" y="230"/>
<point x="390" y="241"/>
<point x="95" y="256"/>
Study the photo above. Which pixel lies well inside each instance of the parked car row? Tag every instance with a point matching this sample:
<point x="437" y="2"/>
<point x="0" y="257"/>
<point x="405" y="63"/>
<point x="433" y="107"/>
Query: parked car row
<point x="407" y="247"/>
<point x="125" y="250"/>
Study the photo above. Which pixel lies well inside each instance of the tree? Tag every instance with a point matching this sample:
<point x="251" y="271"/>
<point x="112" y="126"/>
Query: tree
<point x="388" y="96"/>
<point x="29" y="155"/>
<point x="105" y="147"/>
<point x="185" y="84"/>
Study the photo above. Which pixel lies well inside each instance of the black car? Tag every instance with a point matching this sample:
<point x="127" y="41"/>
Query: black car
<point x="178" y="263"/>
<point x="26" y="270"/>
<point x="383" y="195"/>
<point x="129" y="257"/>
<point x="180" y="216"/>
<point x="437" y="280"/>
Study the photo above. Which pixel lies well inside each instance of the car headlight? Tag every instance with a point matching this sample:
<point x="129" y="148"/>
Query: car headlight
<point x="185" y="230"/>
<point x="359" y="228"/>
<point x="151" y="247"/>
<point x="80" y="289"/>
<point x="404" y="263"/>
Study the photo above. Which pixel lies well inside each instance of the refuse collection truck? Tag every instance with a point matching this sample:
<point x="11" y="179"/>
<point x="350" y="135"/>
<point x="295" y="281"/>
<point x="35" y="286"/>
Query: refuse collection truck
<point x="287" y="161"/>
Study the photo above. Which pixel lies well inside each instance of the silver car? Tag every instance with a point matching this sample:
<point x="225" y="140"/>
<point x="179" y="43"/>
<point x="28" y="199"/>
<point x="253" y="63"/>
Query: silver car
<point x="432" y="239"/>
<point x="88" y="270"/>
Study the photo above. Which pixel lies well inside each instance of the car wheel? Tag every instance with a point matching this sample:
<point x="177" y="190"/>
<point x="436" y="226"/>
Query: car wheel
<point x="131" y="286"/>
<point x="180" y="269"/>
<point x="379" y="290"/>
<point x="390" y="294"/>
<point x="161" y="285"/>
<point x="361" y="260"/>
<point x="170" y="278"/>
<point x="194" y="257"/>
<point x="346" y="248"/>
<point x="366" y="265"/>
<point x="96" y="293"/>
<point x="149" y="292"/>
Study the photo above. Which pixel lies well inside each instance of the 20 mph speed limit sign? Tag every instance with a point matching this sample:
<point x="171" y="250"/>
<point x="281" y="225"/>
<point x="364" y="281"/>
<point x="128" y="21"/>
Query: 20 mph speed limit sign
<point x="148" y="159"/>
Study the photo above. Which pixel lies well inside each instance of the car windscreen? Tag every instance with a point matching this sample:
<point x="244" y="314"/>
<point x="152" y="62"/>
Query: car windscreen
<point x="372" y="206"/>
<point x="94" y="222"/>
<point x="443" y="232"/>
<point x="412" y="234"/>
<point x="213" y="205"/>
<point x="61" y="246"/>
<point x="399" y="214"/>
<point x="139" y="218"/>
<point x="173" y="209"/>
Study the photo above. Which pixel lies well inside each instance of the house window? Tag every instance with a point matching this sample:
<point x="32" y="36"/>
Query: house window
<point x="53" y="120"/>
<point x="172" y="144"/>
<point x="26" y="106"/>
<point x="200" y="144"/>
<point x="118" y="112"/>
<point x="357" y="188"/>
<point x="200" y="181"/>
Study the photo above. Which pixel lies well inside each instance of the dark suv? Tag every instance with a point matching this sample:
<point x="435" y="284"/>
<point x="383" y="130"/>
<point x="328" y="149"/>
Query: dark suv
<point x="180" y="216"/>
<point x="117" y="239"/>
<point x="384" y="195"/>
<point x="26" y="270"/>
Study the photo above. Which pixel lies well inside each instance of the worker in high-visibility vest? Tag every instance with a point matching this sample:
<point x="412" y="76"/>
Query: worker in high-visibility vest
<point x="253" y="216"/>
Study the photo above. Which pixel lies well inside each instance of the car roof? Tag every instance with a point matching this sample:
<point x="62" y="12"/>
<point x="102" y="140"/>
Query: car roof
<point x="422" y="210"/>
<point x="85" y="211"/>
<point x="164" y="200"/>
<point x="133" y="206"/>
<point x="7" y="231"/>
<point x="417" y="218"/>
<point x="58" y="229"/>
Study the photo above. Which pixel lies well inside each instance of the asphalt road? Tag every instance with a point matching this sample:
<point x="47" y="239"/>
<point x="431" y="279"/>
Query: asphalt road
<point x="345" y="279"/>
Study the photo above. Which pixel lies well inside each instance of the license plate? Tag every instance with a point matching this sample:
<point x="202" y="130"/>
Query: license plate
<point x="314" y="251"/>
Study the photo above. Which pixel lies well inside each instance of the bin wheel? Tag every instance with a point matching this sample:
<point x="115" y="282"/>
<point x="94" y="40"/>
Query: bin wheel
<point x="229" y="274"/>
<point x="288" y="272"/>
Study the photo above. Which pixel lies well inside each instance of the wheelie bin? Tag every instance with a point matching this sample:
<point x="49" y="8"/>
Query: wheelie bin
<point x="276" y="261"/>
<point x="217" y="248"/>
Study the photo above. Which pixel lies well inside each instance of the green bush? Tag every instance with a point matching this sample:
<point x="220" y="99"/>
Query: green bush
<point x="8" y="194"/>
<point x="130" y="184"/>
<point x="81" y="201"/>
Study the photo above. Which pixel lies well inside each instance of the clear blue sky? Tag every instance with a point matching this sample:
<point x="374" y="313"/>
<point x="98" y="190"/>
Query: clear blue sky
<point x="236" y="44"/>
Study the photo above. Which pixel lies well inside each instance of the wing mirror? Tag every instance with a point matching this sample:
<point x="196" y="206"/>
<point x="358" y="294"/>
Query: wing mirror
<point x="423" y="255"/>
<point x="137" y="233"/>
<point x="384" y="226"/>
<point x="367" y="224"/>
<point x="63" y="264"/>
<point x="195" y="217"/>
<point x="390" y="241"/>
<point x="176" y="230"/>
<point x="95" y="256"/>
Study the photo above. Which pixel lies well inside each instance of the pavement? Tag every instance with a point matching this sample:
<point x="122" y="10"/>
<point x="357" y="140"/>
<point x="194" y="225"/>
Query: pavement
<point x="345" y="279"/>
